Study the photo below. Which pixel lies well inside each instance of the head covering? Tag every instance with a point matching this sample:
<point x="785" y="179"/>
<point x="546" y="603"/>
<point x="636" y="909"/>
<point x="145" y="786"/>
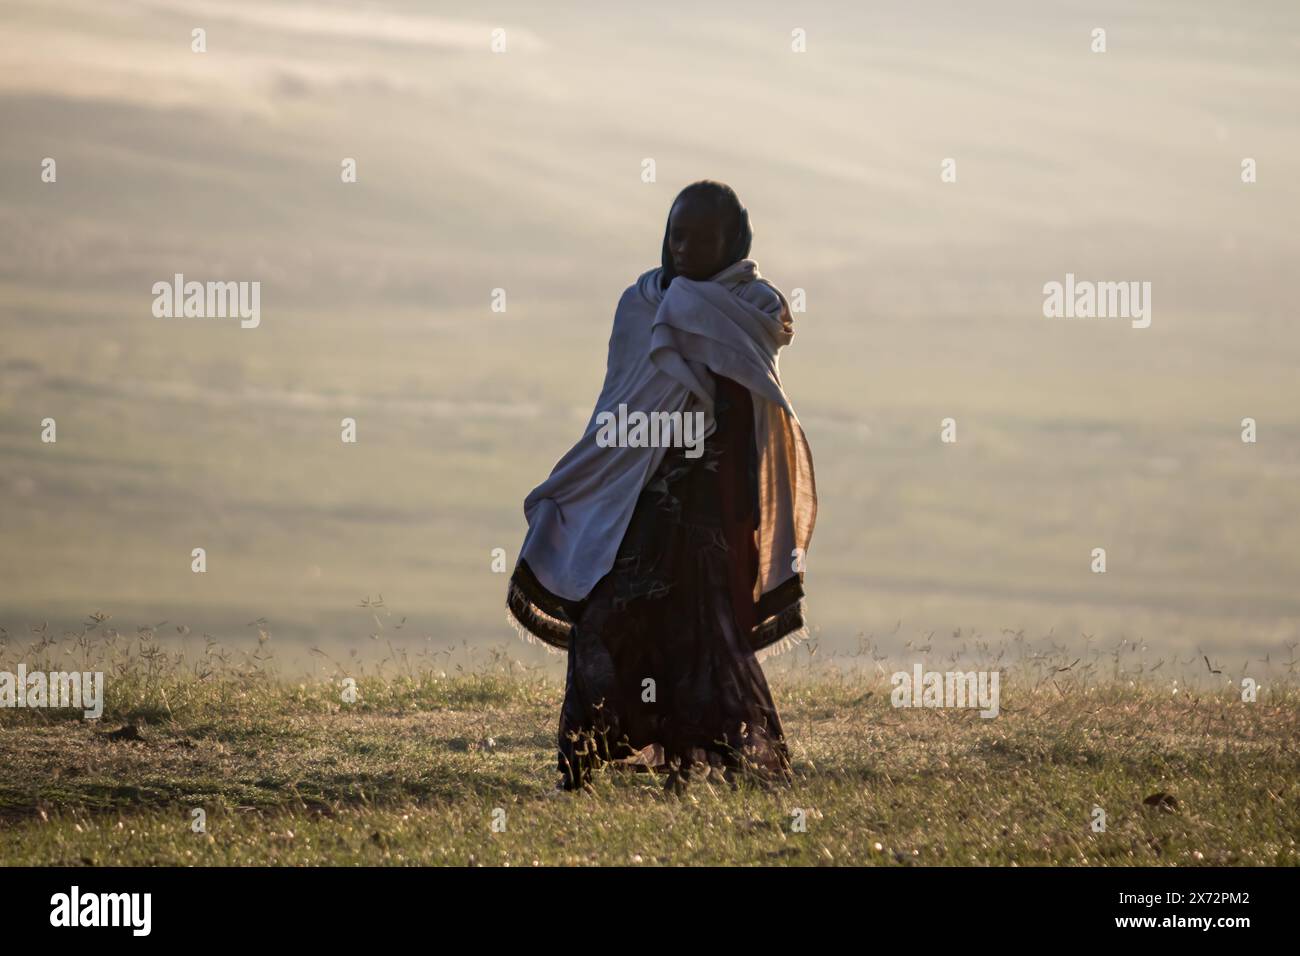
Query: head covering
<point x="725" y="198"/>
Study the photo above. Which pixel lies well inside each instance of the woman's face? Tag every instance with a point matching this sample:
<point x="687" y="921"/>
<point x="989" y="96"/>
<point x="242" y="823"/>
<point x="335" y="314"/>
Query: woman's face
<point x="696" y="240"/>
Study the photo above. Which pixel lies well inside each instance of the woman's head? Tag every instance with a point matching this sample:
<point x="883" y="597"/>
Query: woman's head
<point x="708" y="229"/>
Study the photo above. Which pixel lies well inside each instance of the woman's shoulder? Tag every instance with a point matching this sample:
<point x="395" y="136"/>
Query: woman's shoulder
<point x="759" y="290"/>
<point x="647" y="286"/>
<point x="764" y="295"/>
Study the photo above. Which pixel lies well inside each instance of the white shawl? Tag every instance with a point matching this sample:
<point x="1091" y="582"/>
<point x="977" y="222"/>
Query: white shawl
<point x="661" y="349"/>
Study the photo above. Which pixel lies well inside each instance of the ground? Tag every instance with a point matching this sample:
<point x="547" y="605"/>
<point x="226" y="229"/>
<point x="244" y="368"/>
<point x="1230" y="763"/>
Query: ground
<point x="233" y="764"/>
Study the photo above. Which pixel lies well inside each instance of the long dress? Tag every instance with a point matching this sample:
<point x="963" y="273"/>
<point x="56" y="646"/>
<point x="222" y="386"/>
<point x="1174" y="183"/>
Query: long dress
<point x="661" y="671"/>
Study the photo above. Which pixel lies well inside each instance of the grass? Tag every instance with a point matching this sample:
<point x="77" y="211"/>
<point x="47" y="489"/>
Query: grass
<point x="442" y="763"/>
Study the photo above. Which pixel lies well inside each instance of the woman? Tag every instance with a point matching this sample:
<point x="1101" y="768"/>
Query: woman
<point x="663" y="569"/>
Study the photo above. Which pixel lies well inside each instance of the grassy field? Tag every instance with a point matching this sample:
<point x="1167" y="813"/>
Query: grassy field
<point x="436" y="750"/>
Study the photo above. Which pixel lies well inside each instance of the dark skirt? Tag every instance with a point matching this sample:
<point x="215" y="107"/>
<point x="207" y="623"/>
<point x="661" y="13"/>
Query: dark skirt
<point x="662" y="673"/>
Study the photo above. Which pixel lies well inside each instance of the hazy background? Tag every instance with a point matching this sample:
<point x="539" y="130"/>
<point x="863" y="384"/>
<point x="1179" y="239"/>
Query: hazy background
<point x="522" y="171"/>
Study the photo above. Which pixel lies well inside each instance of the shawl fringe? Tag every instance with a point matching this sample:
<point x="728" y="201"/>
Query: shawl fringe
<point x="540" y="617"/>
<point x="787" y="643"/>
<point x="535" y="618"/>
<point x="527" y="635"/>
